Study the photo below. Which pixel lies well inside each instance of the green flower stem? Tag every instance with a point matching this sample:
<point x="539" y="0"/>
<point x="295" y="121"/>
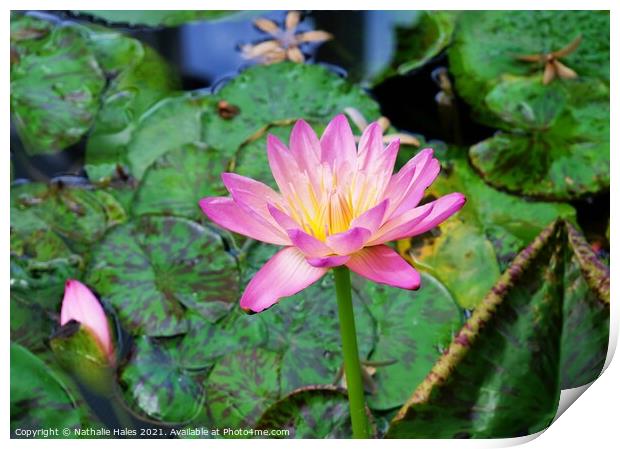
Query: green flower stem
<point x="352" y="366"/>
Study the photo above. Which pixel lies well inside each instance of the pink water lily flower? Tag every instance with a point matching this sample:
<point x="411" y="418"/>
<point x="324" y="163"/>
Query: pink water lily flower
<point x="338" y="205"/>
<point x="81" y="305"/>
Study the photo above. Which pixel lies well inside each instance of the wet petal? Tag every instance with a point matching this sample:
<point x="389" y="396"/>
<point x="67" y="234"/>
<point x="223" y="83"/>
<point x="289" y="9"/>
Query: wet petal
<point x="285" y="274"/>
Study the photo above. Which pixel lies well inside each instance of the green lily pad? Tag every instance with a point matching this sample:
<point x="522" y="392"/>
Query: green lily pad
<point x="155" y="18"/>
<point x="39" y="399"/>
<point x="55" y="84"/>
<point x="500" y="376"/>
<point x="152" y="269"/>
<point x="168" y="125"/>
<point x="154" y="386"/>
<point x="468" y="252"/>
<point x="413" y="328"/>
<point x="205" y="342"/>
<point x="585" y="328"/>
<point x="565" y="156"/>
<point x="31" y="324"/>
<point x="480" y="55"/>
<point x="241" y="386"/>
<point x="139" y="78"/>
<point x="304" y="328"/>
<point x="419" y="42"/>
<point x="176" y="181"/>
<point x="78" y="214"/>
<point x="280" y="94"/>
<point x="310" y="412"/>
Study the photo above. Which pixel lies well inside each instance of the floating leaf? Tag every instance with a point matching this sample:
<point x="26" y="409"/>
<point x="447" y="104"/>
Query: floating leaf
<point x="280" y="94"/>
<point x="155" y="18"/>
<point x="167" y="126"/>
<point x="420" y="41"/>
<point x="499" y="378"/>
<point x="176" y="181"/>
<point x="31" y="324"/>
<point x="241" y="386"/>
<point x="205" y="342"/>
<point x="412" y="330"/>
<point x="152" y="269"/>
<point x="468" y="252"/>
<point x="565" y="157"/>
<point x="139" y="78"/>
<point x="39" y="398"/>
<point x="480" y="55"/>
<point x="55" y="84"/>
<point x="310" y="412"/>
<point x="77" y="213"/>
<point x="154" y="385"/>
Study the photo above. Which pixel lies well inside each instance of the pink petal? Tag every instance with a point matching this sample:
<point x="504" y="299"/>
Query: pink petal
<point x="338" y="144"/>
<point x="370" y="145"/>
<point x="252" y="196"/>
<point x="415" y="192"/>
<point x="394" y="228"/>
<point x="348" y="242"/>
<point x="383" y="265"/>
<point x="306" y="149"/>
<point x="443" y="208"/>
<point x="406" y="179"/>
<point x="419" y="220"/>
<point x="327" y="262"/>
<point x="81" y="305"/>
<point x="309" y="245"/>
<point x="372" y="219"/>
<point x="285" y="274"/>
<point x="282" y="219"/>
<point x="229" y="215"/>
<point x="282" y="164"/>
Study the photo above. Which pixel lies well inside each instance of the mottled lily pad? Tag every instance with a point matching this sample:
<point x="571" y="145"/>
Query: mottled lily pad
<point x="166" y="126"/>
<point x="564" y="154"/>
<point x="154" y="385"/>
<point x="241" y="386"/>
<point x="413" y="328"/>
<point x="480" y="55"/>
<point x="417" y="43"/>
<point x="39" y="398"/>
<point x="55" y="84"/>
<point x="279" y="94"/>
<point x="205" y="342"/>
<point x="468" y="252"/>
<point x="304" y="328"/>
<point x="139" y="77"/>
<point x="310" y="412"/>
<point x="176" y="181"/>
<point x="154" y="18"/>
<point x="500" y="376"/>
<point x="151" y="270"/>
<point x="78" y="214"/>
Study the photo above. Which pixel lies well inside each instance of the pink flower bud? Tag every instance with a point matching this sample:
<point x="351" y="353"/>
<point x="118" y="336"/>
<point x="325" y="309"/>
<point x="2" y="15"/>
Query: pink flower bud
<point x="81" y="305"/>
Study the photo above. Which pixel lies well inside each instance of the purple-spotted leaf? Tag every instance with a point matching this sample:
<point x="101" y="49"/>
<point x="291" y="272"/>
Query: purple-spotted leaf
<point x="152" y="269"/>
<point x="320" y="411"/>
<point x="413" y="328"/>
<point x="156" y="387"/>
<point x="241" y="386"/>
